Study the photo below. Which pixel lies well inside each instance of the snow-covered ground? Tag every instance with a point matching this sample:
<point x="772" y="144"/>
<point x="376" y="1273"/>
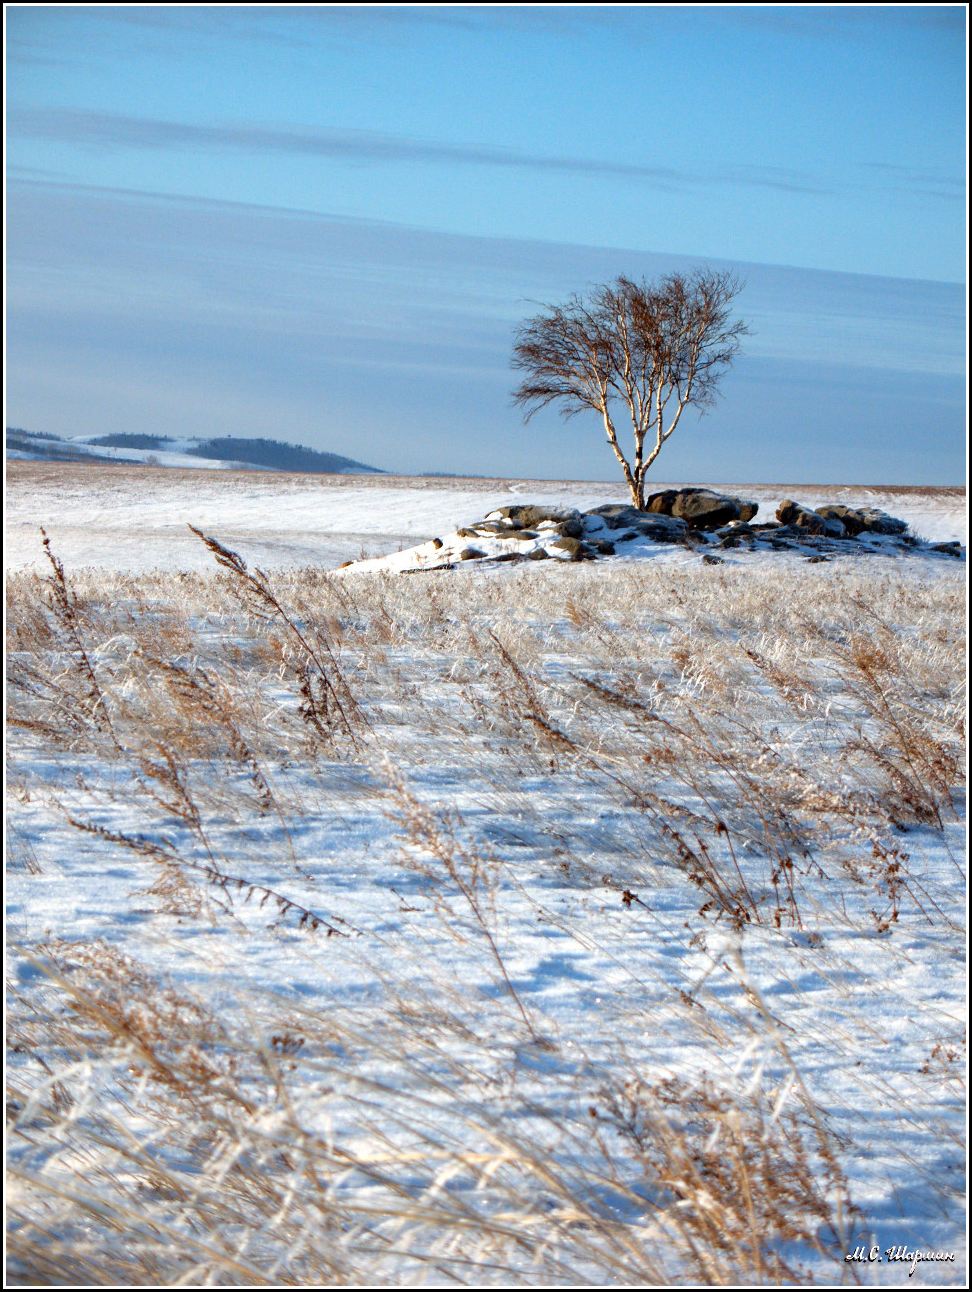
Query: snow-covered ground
<point x="119" y="520"/>
<point x="521" y="925"/>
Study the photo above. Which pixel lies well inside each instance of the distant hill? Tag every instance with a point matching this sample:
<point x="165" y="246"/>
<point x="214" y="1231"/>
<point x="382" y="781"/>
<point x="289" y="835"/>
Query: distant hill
<point x="37" y="446"/>
<point x="227" y="452"/>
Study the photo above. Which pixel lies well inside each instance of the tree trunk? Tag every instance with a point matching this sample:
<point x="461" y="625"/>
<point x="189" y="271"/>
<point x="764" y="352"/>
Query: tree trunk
<point x="612" y="437"/>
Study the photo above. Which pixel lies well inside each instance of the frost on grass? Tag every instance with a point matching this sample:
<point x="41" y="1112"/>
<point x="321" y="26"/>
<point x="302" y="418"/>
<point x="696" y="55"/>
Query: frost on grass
<point x="579" y="924"/>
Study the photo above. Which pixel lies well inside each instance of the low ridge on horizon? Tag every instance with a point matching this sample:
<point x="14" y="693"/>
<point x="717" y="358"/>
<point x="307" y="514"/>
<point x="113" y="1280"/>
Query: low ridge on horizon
<point x="227" y="451"/>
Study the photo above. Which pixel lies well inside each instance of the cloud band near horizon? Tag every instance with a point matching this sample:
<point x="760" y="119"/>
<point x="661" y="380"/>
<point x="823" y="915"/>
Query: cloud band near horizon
<point x="392" y="343"/>
<point x="118" y="130"/>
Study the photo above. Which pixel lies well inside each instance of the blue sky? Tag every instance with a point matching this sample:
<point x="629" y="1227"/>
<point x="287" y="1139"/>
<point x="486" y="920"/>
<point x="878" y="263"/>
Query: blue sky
<point x="323" y="224"/>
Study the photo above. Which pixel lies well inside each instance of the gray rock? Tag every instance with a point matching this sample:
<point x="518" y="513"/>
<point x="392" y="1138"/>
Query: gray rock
<point x="794" y="532"/>
<point x="857" y="520"/>
<point x="490" y="528"/>
<point x="834" y="528"/>
<point x="792" y="513"/>
<point x="735" y="533"/>
<point x="663" y="529"/>
<point x="793" y="536"/>
<point x="616" y="515"/>
<point x="851" y="519"/>
<point x="577" y="550"/>
<point x="572" y="527"/>
<point x="494" y="530"/>
<point x="525" y="516"/>
<point x="879" y="522"/>
<point x="659" y="528"/>
<point x="953" y="548"/>
<point x="737" y="536"/>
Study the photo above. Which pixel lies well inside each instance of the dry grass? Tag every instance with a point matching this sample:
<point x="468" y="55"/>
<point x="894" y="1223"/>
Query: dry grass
<point x="756" y="750"/>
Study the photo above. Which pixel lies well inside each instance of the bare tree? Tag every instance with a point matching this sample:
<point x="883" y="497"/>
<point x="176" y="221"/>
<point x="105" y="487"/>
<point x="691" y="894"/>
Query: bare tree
<point x="652" y="348"/>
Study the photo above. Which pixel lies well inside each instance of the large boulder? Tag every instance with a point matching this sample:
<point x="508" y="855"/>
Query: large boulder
<point x="661" y="503"/>
<point x="705" y="509"/>
<point x="700" y="508"/>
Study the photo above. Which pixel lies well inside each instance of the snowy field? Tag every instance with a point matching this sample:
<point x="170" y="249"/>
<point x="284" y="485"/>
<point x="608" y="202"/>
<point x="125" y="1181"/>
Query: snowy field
<point x="572" y="923"/>
<point x="135" y="519"/>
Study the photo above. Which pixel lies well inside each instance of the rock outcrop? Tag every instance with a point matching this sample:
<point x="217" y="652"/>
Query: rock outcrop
<point x="852" y="520"/>
<point x="702" y="521"/>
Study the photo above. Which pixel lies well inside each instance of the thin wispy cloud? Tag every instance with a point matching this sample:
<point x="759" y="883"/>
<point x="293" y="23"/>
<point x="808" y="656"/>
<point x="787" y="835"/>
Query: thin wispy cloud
<point x="365" y="147"/>
<point x="31" y="173"/>
<point x="841" y="23"/>
<point x="115" y="131"/>
<point x="919" y="179"/>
